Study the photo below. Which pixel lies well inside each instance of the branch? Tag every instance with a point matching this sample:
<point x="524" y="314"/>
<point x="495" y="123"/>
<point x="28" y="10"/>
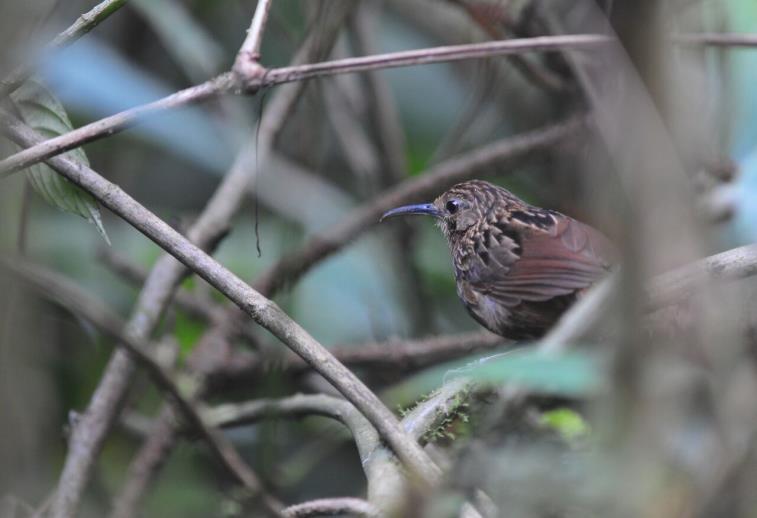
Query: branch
<point x="113" y="124"/>
<point x="261" y="78"/>
<point x="229" y="82"/>
<point x="153" y="299"/>
<point x="331" y="507"/>
<point x="85" y="23"/>
<point x="386" y="480"/>
<point x="73" y="299"/>
<point x="443" y="54"/>
<point x="364" y="434"/>
<point x="262" y="310"/>
<point x="399" y="355"/>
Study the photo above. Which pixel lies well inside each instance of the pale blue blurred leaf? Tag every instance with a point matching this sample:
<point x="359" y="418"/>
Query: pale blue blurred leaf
<point x="568" y="374"/>
<point x="95" y="80"/>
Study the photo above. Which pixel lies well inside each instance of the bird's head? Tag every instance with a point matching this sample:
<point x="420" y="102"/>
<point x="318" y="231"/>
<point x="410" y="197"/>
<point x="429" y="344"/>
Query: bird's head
<point x="456" y="210"/>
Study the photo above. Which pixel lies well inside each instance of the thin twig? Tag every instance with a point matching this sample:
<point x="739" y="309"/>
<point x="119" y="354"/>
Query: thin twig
<point x="73" y="299"/>
<point x="398" y="355"/>
<point x="717" y="39"/>
<point x="262" y="310"/>
<point x="536" y="73"/>
<point x="381" y="105"/>
<point x="449" y="53"/>
<point x="229" y="82"/>
<point x="114" y="124"/>
<point x="85" y="23"/>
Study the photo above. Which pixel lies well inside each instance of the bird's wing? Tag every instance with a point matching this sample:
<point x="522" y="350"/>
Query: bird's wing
<point x="557" y="257"/>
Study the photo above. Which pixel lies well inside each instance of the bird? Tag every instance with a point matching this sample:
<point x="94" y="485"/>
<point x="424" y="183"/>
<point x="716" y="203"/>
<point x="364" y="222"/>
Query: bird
<point x="517" y="267"/>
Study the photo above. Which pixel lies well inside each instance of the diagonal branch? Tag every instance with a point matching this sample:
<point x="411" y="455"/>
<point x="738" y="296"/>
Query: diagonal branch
<point x="229" y="82"/>
<point x="156" y="294"/>
<point x="396" y="355"/>
<point x="262" y="310"/>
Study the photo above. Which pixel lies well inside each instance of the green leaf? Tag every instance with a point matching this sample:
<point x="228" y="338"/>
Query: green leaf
<point x="567" y="374"/>
<point x="568" y="423"/>
<point x="187" y="332"/>
<point x="46" y="115"/>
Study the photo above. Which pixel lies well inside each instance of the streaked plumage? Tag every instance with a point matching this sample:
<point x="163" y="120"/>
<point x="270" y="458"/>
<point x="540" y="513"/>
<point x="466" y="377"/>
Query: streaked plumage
<point x="518" y="267"/>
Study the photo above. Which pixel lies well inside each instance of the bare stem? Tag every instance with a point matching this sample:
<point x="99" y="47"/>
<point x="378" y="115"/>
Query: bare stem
<point x="229" y="82"/>
<point x="398" y="355"/>
<point x="717" y="39"/>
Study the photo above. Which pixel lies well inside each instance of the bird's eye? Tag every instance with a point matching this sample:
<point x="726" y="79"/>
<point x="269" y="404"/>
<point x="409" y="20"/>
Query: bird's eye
<point x="452" y="206"/>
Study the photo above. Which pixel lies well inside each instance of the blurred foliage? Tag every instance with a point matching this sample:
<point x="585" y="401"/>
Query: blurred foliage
<point x="567" y="374"/>
<point x="567" y="422"/>
<point x="147" y="50"/>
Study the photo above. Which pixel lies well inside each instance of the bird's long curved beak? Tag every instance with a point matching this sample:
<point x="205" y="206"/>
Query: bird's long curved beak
<point x="428" y="209"/>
